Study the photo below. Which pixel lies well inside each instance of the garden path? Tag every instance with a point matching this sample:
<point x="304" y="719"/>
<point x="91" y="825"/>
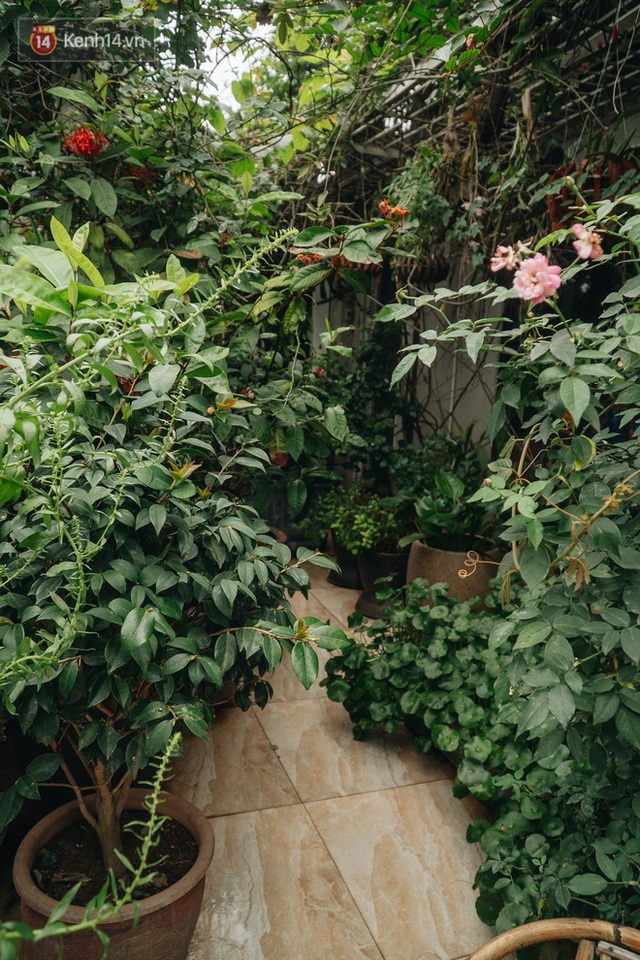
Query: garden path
<point x="327" y="849"/>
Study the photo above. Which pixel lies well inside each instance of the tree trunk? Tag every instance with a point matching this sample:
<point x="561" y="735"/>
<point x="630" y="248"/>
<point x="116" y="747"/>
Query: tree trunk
<point x="108" y="824"/>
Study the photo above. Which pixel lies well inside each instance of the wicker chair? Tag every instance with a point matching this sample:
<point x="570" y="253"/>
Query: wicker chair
<point x="597" y="938"/>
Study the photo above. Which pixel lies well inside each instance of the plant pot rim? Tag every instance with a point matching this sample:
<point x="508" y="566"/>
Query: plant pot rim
<point x="53" y="823"/>
<point x="383" y="553"/>
<point x="456" y="553"/>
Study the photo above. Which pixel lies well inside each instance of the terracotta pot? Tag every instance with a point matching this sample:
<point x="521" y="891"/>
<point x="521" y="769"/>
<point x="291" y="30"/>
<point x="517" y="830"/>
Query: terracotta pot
<point x="372" y="567"/>
<point x="443" y="566"/>
<point x="167" y="919"/>
<point x="349" y="575"/>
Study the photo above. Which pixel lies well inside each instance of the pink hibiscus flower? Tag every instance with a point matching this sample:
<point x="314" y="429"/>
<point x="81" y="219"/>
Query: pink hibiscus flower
<point x="587" y="245"/>
<point x="536" y="279"/>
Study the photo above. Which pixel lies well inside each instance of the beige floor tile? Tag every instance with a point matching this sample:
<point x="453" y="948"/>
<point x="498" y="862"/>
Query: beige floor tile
<point x="314" y="741"/>
<point x="341" y="603"/>
<point x="274" y="893"/>
<point x="405" y="860"/>
<point x="311" y="606"/>
<point x="234" y="770"/>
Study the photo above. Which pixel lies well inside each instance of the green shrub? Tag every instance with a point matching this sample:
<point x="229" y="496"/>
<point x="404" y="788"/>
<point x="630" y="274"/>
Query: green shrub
<point x="562" y="833"/>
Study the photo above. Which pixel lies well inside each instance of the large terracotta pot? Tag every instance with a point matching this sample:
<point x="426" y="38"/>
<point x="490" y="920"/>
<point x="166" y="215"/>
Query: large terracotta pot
<point x="167" y="919"/>
<point x="443" y="566"/>
<point x="372" y="567"/>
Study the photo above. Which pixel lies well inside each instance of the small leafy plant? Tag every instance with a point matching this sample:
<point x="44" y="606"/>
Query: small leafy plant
<point x="446" y="520"/>
<point x="361" y="520"/>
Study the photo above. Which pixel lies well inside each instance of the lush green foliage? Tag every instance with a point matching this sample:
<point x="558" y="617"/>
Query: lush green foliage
<point x="135" y="580"/>
<point x="360" y="520"/>
<point x="446" y="520"/>
<point x="566" y="486"/>
<point x="562" y="836"/>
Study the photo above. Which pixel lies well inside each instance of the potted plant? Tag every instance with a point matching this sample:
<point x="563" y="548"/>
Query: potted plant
<point x="373" y="537"/>
<point x="134" y="582"/>
<point x="451" y="540"/>
<point x="336" y="515"/>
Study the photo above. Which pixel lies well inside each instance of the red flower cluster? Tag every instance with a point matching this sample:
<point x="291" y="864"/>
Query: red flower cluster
<point x="320" y="371"/>
<point x="143" y="174"/>
<point x="391" y="213"/>
<point x="84" y="142"/>
<point x="309" y="257"/>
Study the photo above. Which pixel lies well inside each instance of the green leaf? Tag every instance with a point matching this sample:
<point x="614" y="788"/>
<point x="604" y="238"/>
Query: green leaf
<point x="162" y="377"/>
<point x="403" y="367"/>
<point x="76" y="96"/>
<point x="43" y="768"/>
<point x="576" y="396"/>
<point x="216" y="119"/>
<point x="628" y="724"/>
<point x="104" y="196"/>
<point x="157" y="737"/>
<point x="22" y="285"/>
<point x="474" y="343"/>
<point x="136" y="633"/>
<point x="532" y="634"/>
<point x="587" y="884"/>
<point x="558" y="654"/>
<point x="311" y="236"/>
<point x="309" y="276"/>
<point x="630" y="643"/>
<point x="74" y="256"/>
<point x="157" y="516"/>
<point x="562" y="704"/>
<point x="496" y="419"/>
<point x="272" y="650"/>
<point x="294" y="314"/>
<point x="501" y="633"/>
<point x="297" y="496"/>
<point x="395" y="311"/>
<point x="534" y="565"/>
<point x="52" y="264"/>
<point x="335" y="423"/>
<point x="304" y="661"/>
<point x="563" y="348"/>
<point x="294" y="439"/>
<point x="80" y="187"/>
<point x="121" y="234"/>
<point x="445" y="738"/>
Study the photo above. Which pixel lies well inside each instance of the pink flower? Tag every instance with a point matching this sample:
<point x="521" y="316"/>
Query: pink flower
<point x="505" y="258"/>
<point x="587" y="245"/>
<point x="536" y="279"/>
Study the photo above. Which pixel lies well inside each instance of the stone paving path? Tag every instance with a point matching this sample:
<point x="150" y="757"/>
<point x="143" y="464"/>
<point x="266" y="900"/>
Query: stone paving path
<point x="327" y="849"/>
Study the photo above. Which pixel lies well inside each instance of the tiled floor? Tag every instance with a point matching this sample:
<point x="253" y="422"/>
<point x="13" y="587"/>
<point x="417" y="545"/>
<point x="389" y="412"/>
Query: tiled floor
<point x="327" y="849"/>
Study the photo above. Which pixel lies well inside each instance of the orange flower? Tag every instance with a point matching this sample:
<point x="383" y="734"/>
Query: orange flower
<point x="392" y="213"/>
<point x="309" y="257"/>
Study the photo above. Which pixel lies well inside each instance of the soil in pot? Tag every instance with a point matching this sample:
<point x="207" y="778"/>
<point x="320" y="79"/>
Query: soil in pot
<point x="373" y="567"/>
<point x="167" y="918"/>
<point x="73" y="856"/>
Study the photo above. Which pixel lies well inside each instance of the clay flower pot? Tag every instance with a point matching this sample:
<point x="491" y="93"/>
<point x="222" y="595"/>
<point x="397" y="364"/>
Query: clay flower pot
<point x="444" y="566"/>
<point x="372" y="567"/>
<point x="167" y="919"/>
<point x="349" y="576"/>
